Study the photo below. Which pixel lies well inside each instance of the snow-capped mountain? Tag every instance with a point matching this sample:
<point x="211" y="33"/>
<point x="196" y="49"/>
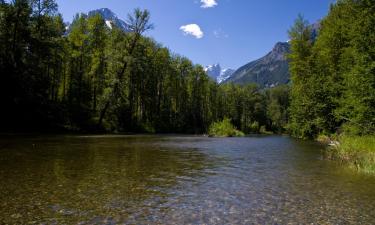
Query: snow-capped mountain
<point x="217" y="73"/>
<point x="110" y="18"/>
<point x="225" y="74"/>
<point x="213" y="71"/>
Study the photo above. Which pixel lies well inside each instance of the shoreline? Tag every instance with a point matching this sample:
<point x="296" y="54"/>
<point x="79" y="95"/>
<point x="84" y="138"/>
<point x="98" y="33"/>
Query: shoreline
<point x="357" y="152"/>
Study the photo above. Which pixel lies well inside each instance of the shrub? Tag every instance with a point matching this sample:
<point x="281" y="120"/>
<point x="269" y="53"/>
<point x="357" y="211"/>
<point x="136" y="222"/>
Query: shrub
<point x="224" y="129"/>
<point x="255" y="127"/>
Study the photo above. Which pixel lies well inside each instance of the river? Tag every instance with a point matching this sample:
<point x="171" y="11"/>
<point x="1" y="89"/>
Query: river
<point x="177" y="180"/>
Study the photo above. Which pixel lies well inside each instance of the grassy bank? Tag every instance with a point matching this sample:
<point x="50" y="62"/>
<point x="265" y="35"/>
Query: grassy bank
<point x="356" y="151"/>
<point x="224" y="129"/>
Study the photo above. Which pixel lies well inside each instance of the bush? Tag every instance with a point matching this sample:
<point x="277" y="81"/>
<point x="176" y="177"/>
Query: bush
<point x="254" y="127"/>
<point x="263" y="130"/>
<point x="224" y="129"/>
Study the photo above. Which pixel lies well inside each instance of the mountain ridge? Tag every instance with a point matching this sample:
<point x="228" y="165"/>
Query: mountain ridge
<point x="270" y="70"/>
<point x="267" y="71"/>
<point x="217" y="73"/>
<point x="110" y="18"/>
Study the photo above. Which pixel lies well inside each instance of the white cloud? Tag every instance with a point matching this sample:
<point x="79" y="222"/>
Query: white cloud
<point x="192" y="29"/>
<point x="208" y="3"/>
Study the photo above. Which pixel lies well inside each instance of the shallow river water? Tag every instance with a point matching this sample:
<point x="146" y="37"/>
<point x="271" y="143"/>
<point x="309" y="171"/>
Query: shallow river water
<point x="177" y="180"/>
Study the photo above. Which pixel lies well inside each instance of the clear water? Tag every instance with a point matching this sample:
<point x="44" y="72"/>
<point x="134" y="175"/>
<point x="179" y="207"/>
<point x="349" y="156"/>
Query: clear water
<point x="177" y="180"/>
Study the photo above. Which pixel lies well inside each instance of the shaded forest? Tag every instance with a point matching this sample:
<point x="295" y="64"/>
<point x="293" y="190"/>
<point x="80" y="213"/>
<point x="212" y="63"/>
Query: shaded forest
<point x="94" y="78"/>
<point x="97" y="79"/>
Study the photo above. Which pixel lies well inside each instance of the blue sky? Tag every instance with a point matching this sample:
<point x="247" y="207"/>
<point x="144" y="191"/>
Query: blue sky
<point x="234" y="32"/>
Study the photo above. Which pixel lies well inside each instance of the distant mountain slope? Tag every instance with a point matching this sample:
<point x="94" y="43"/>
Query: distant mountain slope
<point x="217" y="73"/>
<point x="213" y="71"/>
<point x="225" y="74"/>
<point x="268" y="71"/>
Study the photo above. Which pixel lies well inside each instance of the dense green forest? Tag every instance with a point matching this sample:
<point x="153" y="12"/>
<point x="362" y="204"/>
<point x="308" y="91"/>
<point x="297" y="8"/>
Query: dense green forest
<point x="333" y="77"/>
<point x="93" y="78"/>
<point x="332" y="94"/>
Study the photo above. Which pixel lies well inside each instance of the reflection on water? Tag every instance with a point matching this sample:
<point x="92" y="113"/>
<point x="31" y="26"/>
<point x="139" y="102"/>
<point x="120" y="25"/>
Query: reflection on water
<point x="175" y="180"/>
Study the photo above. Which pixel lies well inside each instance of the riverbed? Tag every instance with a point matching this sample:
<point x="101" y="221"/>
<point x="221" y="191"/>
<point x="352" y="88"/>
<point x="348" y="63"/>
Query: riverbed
<point x="167" y="179"/>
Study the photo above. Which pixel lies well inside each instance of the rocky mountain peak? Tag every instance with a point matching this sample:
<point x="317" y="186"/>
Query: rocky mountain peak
<point x="217" y="73"/>
<point x="279" y="51"/>
<point x="281" y="47"/>
<point x="268" y="71"/>
<point x="104" y="12"/>
<point x="109" y="17"/>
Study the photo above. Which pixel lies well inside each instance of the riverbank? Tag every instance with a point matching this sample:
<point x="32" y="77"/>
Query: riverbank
<point x="356" y="151"/>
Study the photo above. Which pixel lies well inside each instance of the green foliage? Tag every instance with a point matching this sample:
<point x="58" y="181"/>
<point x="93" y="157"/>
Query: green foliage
<point x="277" y="107"/>
<point x="357" y="151"/>
<point x="324" y="139"/>
<point x="245" y="105"/>
<point x="98" y="79"/>
<point x="357" y="103"/>
<point x="263" y="130"/>
<point x="254" y="127"/>
<point x="224" y="129"/>
<point x="333" y="82"/>
<point x="302" y="93"/>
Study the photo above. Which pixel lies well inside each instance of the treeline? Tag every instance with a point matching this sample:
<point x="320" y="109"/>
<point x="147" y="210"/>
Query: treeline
<point x="333" y="77"/>
<point x="94" y="78"/>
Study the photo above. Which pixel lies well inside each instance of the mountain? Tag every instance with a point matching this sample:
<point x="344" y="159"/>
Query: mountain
<point x="213" y="71"/>
<point x="268" y="71"/>
<point x="217" y="73"/>
<point x="225" y="74"/>
<point x="110" y="18"/>
<point x="272" y="69"/>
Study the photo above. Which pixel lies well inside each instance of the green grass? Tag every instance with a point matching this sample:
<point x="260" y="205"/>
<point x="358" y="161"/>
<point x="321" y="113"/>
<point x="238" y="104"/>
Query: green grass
<point x="357" y="151"/>
<point x="324" y="139"/>
<point x="224" y="129"/>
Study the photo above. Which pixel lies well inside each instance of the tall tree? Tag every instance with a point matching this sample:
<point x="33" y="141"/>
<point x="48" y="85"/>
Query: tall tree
<point x="139" y="23"/>
<point x="302" y="117"/>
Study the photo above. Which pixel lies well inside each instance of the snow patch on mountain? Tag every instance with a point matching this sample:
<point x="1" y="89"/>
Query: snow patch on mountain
<point x="225" y="74"/>
<point x="110" y="18"/>
<point x="109" y="24"/>
<point x="217" y="73"/>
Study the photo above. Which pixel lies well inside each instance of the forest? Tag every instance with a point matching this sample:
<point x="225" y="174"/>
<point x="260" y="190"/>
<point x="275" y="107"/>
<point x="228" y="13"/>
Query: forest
<point x="333" y="77"/>
<point x="96" y="79"/>
<point x="332" y="95"/>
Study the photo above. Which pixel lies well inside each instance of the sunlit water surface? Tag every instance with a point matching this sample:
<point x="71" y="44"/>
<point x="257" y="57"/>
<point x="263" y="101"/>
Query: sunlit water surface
<point x="177" y="180"/>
